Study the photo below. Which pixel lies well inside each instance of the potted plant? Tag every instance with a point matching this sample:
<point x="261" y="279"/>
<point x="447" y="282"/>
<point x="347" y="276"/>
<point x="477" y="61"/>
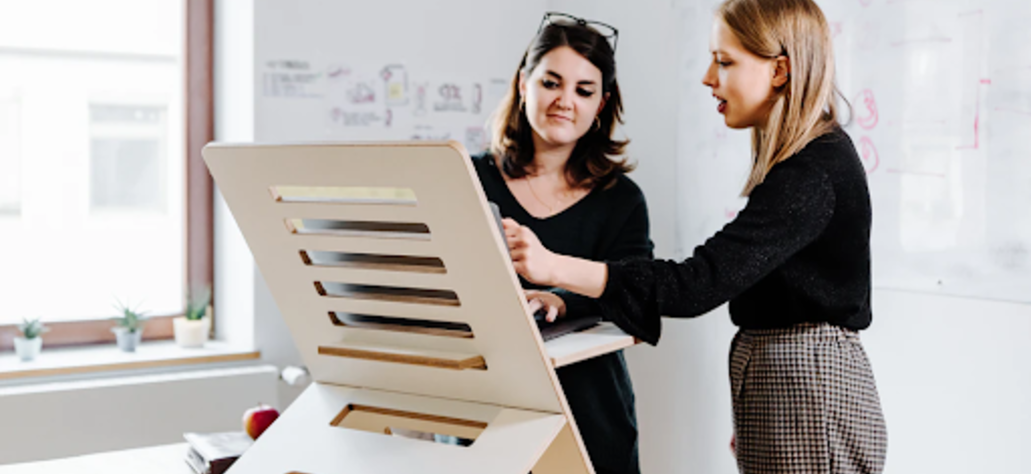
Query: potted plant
<point x="192" y="329"/>
<point x="128" y="327"/>
<point x="28" y="346"/>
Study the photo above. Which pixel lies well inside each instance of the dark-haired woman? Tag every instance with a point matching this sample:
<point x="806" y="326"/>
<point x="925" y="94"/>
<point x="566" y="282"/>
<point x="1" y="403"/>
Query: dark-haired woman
<point x="552" y="168"/>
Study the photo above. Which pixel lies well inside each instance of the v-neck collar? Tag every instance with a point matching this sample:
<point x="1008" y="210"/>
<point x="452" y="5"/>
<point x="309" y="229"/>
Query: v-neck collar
<point x="519" y="205"/>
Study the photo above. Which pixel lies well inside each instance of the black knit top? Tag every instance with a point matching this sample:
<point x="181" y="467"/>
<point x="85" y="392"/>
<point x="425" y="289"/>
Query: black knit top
<point x="798" y="252"/>
<point x="610" y="223"/>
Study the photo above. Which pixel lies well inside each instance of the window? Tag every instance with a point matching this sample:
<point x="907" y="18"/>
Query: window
<point x="128" y="155"/>
<point x="97" y="152"/>
<point x="10" y="158"/>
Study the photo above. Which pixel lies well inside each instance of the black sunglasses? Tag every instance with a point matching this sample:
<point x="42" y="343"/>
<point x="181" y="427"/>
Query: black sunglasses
<point x="606" y="30"/>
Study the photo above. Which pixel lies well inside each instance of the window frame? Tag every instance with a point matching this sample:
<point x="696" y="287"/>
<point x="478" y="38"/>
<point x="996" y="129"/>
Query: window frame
<point x="198" y="61"/>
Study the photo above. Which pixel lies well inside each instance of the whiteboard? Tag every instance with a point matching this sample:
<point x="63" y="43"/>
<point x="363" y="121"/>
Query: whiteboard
<point x="381" y="101"/>
<point x="383" y="71"/>
<point x="940" y="92"/>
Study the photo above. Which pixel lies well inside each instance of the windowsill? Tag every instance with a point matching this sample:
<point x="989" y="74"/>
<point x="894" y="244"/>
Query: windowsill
<point x="108" y="358"/>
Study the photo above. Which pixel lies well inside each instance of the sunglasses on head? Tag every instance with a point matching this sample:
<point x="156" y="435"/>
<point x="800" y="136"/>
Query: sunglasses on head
<point x="606" y="30"/>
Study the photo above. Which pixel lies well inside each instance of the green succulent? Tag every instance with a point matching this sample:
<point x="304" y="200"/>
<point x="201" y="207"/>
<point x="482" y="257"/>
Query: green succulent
<point x="197" y="303"/>
<point x="32" y="329"/>
<point x="129" y="318"/>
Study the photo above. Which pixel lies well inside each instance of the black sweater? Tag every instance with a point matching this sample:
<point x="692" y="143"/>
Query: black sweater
<point x="798" y="252"/>
<point x="608" y="224"/>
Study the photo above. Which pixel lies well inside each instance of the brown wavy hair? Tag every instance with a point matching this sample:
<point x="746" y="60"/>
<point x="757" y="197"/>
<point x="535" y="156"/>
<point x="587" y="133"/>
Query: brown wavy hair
<point x="593" y="161"/>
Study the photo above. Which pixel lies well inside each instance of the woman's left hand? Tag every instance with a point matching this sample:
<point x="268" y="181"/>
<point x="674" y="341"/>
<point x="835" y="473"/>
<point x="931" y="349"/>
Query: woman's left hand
<point x="553" y="304"/>
<point x="529" y="257"/>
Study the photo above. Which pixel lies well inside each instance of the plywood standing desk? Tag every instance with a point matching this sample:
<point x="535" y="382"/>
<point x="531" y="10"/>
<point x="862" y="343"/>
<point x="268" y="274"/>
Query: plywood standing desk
<point x="397" y="289"/>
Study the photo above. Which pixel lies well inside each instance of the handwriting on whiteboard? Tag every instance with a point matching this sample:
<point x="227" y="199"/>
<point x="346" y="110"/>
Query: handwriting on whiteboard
<point x="868" y="152"/>
<point x="868" y="112"/>
<point x="977" y="119"/>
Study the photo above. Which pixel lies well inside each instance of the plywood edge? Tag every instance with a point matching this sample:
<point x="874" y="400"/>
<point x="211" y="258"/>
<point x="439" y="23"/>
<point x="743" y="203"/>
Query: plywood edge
<point x="439" y="359"/>
<point x="580" y="346"/>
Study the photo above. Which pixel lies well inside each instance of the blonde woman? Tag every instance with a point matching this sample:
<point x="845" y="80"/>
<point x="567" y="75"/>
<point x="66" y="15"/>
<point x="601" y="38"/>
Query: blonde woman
<point x="794" y="264"/>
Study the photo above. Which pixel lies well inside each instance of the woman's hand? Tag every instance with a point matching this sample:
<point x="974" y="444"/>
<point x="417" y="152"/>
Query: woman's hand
<point x="543" y="267"/>
<point x="529" y="257"/>
<point x="552" y="303"/>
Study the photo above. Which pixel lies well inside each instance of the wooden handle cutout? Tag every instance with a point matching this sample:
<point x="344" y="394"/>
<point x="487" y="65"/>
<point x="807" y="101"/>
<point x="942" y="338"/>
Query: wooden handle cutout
<point x="364" y="261"/>
<point x="388" y="293"/>
<point x="384" y="230"/>
<point x="344" y="195"/>
<point x="408" y="325"/>
<point x="407" y="424"/>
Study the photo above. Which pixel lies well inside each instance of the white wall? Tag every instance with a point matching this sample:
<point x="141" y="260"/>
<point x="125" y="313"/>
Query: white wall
<point x="234" y="122"/>
<point x="954" y="381"/>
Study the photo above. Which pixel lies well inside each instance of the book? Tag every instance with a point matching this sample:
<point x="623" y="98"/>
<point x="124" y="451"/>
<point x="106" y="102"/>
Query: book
<point x="213" y="453"/>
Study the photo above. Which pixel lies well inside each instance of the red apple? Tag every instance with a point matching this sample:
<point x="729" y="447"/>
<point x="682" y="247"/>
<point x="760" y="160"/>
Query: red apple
<point x="257" y="419"/>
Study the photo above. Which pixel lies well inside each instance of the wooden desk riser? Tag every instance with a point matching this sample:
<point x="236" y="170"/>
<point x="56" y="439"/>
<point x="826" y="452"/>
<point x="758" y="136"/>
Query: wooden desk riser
<point x="428" y="253"/>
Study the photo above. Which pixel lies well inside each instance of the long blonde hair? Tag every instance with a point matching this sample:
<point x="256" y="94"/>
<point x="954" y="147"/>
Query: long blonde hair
<point x="803" y="108"/>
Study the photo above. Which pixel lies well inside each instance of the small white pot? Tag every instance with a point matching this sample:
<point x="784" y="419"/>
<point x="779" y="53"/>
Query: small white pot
<point x="28" y="349"/>
<point x="191" y="333"/>
<point x="127" y="341"/>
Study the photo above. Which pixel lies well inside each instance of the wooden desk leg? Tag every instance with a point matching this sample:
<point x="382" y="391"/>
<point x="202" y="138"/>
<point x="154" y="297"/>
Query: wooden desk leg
<point x="563" y="456"/>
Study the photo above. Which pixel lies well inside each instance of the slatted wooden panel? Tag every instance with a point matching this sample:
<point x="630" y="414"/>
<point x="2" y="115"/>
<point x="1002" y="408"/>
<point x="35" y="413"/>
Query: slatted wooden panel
<point x="451" y="204"/>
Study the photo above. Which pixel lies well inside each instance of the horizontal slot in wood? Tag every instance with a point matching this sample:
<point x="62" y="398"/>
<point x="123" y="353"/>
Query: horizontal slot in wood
<point x="407" y="424"/>
<point x="388" y="293"/>
<point x="370" y="245"/>
<point x="344" y="195"/>
<point x="429" y="358"/>
<point x="386" y="323"/>
<point x="389" y="230"/>
<point x="364" y="261"/>
<point x="426" y="436"/>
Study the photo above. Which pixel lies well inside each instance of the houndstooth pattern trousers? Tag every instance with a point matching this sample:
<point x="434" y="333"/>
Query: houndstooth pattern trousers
<point x="805" y="401"/>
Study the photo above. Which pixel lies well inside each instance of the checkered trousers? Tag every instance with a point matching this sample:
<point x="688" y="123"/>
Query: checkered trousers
<point x="805" y="402"/>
